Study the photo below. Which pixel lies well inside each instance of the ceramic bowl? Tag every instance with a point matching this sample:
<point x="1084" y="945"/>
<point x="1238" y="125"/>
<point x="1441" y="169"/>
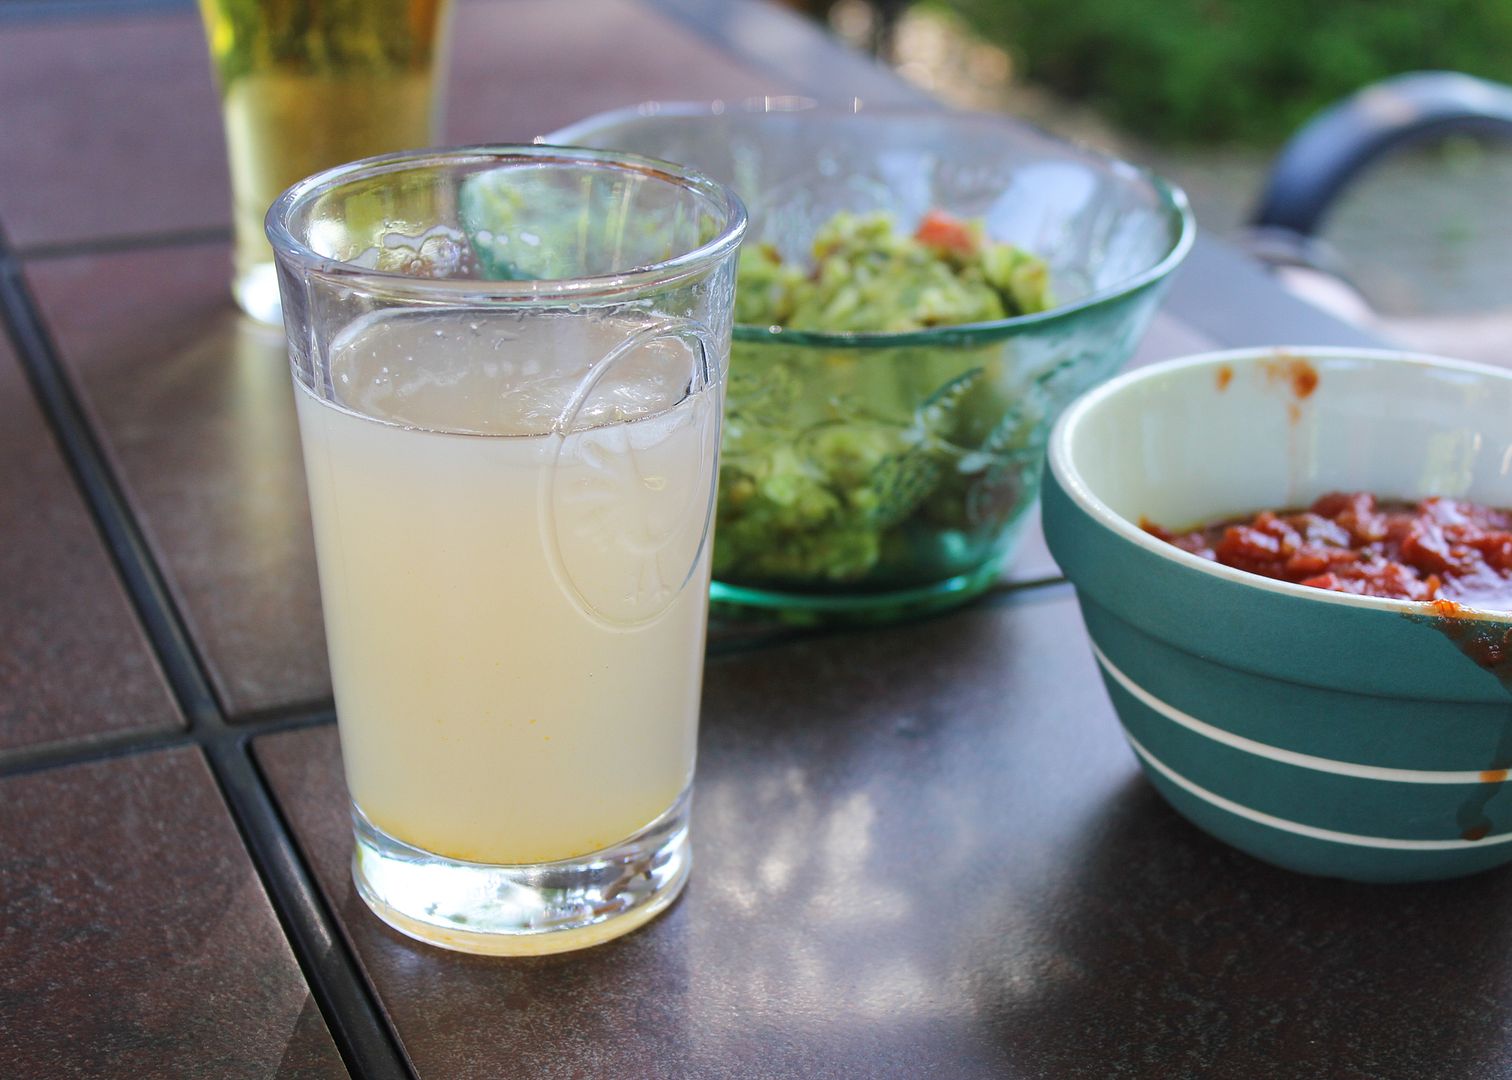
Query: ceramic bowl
<point x="1333" y="734"/>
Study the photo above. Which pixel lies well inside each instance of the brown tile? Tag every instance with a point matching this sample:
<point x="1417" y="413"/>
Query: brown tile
<point x="197" y="414"/>
<point x="925" y="851"/>
<point x="89" y="154"/>
<point x="1032" y="560"/>
<point x="110" y="127"/>
<point x="508" y="60"/>
<point x="136" y="939"/>
<point x="74" y="664"/>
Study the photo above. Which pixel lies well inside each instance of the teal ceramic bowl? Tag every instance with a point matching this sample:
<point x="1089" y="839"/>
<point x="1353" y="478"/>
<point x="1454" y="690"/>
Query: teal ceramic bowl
<point x="1340" y="735"/>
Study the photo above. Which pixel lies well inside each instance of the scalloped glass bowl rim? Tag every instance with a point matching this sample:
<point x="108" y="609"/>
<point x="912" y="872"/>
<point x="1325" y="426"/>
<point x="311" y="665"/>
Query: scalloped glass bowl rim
<point x="1173" y="200"/>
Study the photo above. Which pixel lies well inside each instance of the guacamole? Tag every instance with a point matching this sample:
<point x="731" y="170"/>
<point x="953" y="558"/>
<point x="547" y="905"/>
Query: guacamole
<point x="877" y="464"/>
<point x="867" y="277"/>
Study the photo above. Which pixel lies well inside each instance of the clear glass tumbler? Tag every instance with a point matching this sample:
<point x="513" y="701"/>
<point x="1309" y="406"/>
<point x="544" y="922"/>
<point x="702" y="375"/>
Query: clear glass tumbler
<point x="306" y="87"/>
<point x="509" y="369"/>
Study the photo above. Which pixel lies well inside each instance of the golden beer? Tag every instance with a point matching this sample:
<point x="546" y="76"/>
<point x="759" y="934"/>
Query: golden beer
<point x="306" y="86"/>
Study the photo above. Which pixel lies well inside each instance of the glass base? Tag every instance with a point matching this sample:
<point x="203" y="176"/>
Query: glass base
<point x="523" y="910"/>
<point x="256" y="292"/>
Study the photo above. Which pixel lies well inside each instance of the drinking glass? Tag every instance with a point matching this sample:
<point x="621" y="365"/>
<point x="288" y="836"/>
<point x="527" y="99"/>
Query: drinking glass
<point x="305" y="87"/>
<point x="509" y="371"/>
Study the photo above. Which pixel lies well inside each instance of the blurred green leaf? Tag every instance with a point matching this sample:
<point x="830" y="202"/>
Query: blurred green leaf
<point x="1236" y="70"/>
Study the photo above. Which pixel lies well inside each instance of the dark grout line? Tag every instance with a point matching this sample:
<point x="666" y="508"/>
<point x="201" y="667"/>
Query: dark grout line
<point x="274" y="723"/>
<point x="280" y="717"/>
<point x="356" y="1021"/>
<point x="32" y="759"/>
<point x="82" y="751"/>
<point x="112" y="245"/>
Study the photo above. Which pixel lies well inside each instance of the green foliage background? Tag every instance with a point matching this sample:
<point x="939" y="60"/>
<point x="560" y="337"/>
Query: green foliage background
<point x="1240" y="70"/>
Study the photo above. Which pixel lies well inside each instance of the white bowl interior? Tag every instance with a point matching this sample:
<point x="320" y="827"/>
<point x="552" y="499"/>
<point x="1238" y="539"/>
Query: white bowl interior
<point x="1228" y="434"/>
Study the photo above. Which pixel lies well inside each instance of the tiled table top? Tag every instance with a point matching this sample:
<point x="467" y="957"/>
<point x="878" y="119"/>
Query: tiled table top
<point x="926" y="851"/>
<point x="921" y="850"/>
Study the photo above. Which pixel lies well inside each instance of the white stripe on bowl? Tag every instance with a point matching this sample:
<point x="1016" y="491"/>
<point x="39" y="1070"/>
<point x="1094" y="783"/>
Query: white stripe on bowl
<point x="1260" y="817"/>
<point x="1289" y="757"/>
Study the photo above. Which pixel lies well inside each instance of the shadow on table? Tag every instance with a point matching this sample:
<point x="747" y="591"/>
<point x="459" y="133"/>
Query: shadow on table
<point x="1176" y="955"/>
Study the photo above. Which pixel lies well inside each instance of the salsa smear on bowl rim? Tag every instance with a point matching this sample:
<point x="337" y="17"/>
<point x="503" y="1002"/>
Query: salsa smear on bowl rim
<point x="1435" y="549"/>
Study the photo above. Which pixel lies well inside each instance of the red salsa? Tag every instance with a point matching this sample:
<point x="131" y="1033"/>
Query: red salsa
<point x="1437" y="549"/>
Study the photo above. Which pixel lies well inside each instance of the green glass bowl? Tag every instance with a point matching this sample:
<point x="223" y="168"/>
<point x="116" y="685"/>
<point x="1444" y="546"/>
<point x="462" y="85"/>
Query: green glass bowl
<point x="1347" y="736"/>
<point x="871" y="476"/>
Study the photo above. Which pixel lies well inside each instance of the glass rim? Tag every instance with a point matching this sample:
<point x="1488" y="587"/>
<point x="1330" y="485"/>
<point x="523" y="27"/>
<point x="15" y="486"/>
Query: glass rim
<point x="631" y="280"/>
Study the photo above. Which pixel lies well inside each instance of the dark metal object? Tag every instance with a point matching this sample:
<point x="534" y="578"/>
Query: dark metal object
<point x="1322" y="159"/>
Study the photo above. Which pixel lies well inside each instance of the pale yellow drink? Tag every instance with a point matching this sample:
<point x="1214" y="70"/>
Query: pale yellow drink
<point x="516" y="619"/>
<point x="307" y="86"/>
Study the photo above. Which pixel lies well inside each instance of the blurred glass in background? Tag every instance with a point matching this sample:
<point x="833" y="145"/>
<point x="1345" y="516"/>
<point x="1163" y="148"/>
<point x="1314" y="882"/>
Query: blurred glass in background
<point x="307" y="86"/>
